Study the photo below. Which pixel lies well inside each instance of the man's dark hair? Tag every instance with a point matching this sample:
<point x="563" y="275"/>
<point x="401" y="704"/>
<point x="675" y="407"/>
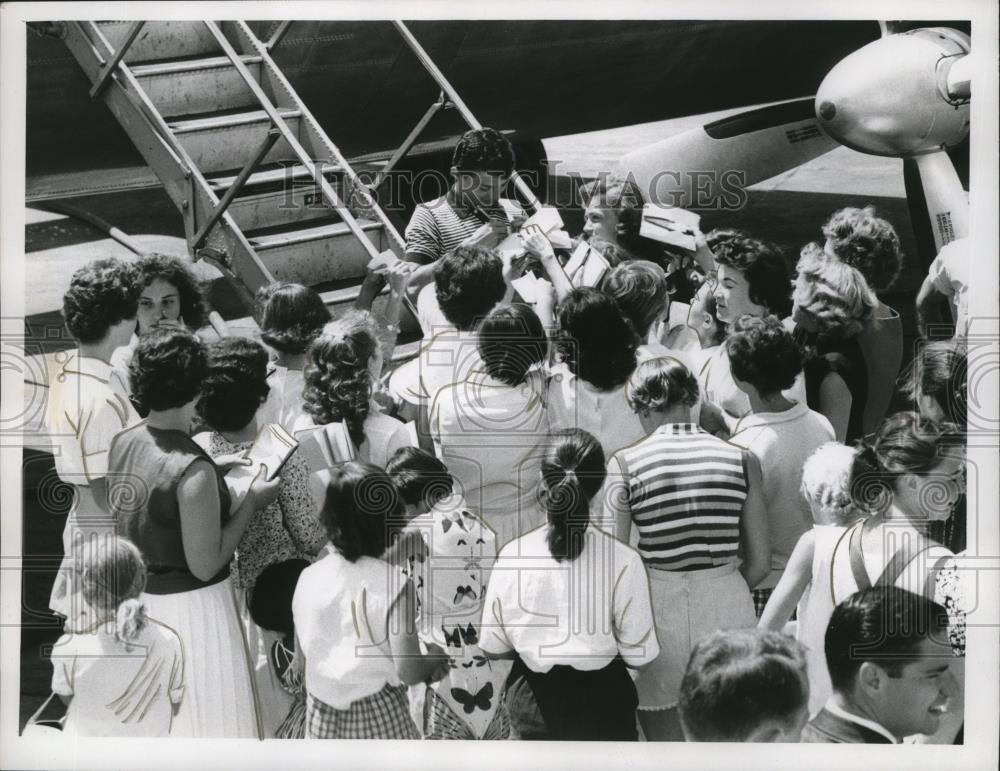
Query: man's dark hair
<point x="486" y="150"/>
<point x="739" y="679"/>
<point x="883" y="625"/>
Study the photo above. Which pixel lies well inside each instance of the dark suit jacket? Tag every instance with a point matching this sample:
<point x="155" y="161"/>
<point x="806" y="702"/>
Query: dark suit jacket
<point x="828" y="728"/>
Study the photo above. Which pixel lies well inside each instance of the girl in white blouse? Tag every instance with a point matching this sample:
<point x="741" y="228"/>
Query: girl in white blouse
<point x="571" y="604"/>
<point x="596" y="348"/>
<point x="355" y="617"/>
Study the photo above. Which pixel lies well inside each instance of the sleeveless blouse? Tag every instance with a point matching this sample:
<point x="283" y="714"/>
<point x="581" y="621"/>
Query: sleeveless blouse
<point x="686" y="490"/>
<point x="146" y="465"/>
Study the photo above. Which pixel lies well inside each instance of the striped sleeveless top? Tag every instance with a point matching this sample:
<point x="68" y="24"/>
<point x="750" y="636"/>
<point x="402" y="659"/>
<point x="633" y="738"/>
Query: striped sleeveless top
<point x="686" y="490"/>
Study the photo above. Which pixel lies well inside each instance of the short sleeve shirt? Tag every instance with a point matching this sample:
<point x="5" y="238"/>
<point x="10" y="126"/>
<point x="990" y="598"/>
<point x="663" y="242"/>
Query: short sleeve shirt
<point x="581" y="612"/>
<point x="435" y="228"/>
<point x="87" y="406"/>
<point x="950" y="273"/>
<point x="120" y="689"/>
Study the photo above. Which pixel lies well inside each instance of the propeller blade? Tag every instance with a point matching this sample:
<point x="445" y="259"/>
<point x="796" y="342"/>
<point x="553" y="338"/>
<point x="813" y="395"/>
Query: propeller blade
<point x="710" y="165"/>
<point x="920" y="220"/>
<point x="946" y="201"/>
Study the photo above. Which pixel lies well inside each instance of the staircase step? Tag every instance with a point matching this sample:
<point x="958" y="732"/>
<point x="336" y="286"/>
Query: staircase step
<point x="161" y="39"/>
<point x="291" y="236"/>
<point x="286" y="205"/>
<point x="212" y="122"/>
<point x="278" y="174"/>
<point x="197" y="85"/>
<point x="174" y="67"/>
<point x="317" y="253"/>
<point x="223" y="142"/>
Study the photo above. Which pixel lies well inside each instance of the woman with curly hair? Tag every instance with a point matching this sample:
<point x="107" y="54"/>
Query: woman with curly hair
<point x="170" y="298"/>
<point x="290" y="317"/>
<point x="596" y="348"/>
<point x="782" y="433"/>
<point x="342" y="365"/>
<point x="87" y="405"/>
<point x="751" y="278"/>
<point x="170" y="498"/>
<point x="697" y="504"/>
<point x="869" y="243"/>
<point x="832" y="305"/>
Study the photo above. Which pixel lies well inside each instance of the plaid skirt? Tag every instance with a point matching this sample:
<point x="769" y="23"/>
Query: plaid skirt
<point x="383" y="715"/>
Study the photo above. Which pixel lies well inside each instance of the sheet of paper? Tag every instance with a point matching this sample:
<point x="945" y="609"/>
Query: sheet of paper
<point x="586" y="266"/>
<point x="576" y="260"/>
<point x="669" y="225"/>
<point x="593" y="269"/>
<point x="383" y="262"/>
<point x="526" y="286"/>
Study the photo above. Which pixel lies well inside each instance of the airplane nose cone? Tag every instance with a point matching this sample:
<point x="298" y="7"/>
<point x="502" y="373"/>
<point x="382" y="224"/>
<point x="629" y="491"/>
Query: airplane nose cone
<point x="886" y="98"/>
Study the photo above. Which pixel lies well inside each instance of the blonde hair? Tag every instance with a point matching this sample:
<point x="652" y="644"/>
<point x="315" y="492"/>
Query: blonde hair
<point x="833" y="293"/>
<point x="826" y="484"/>
<point x="113" y="578"/>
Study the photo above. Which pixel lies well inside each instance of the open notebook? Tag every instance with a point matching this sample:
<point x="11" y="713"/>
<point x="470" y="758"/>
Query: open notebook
<point x="326" y="446"/>
<point x="272" y="448"/>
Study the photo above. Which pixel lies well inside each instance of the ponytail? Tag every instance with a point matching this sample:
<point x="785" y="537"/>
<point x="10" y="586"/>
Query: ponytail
<point x="113" y="579"/>
<point x="130" y="619"/>
<point x="568" y="509"/>
<point x="572" y="474"/>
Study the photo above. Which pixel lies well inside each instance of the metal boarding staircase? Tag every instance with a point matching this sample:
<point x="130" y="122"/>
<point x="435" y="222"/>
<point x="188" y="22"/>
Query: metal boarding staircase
<point x="264" y="193"/>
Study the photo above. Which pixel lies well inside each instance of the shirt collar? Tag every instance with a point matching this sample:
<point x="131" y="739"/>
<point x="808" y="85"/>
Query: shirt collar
<point x="678" y="428"/>
<point x="797" y="410"/>
<point x="871" y="725"/>
<point x="89" y="367"/>
<point x="451" y="507"/>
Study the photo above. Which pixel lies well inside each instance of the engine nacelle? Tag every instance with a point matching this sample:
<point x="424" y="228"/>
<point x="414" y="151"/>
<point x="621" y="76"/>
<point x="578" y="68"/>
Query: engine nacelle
<point x="893" y="97"/>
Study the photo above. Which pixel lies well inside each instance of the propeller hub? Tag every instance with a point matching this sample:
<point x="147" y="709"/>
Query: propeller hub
<point x="892" y="96"/>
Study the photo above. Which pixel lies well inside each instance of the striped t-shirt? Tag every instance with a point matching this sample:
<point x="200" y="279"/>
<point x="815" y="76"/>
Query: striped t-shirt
<point x="436" y="228"/>
<point x="685" y="490"/>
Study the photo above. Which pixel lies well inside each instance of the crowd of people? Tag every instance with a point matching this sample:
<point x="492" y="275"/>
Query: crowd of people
<point x="667" y="503"/>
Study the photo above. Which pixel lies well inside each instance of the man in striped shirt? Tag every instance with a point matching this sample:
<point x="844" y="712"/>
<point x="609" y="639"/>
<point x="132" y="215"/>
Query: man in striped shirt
<point x="471" y="213"/>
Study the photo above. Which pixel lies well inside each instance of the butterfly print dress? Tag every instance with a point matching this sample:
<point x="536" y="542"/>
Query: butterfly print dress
<point x="449" y="565"/>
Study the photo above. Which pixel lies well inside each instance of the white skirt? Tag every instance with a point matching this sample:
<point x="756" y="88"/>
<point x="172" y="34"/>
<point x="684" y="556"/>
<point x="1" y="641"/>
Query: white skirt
<point x="220" y="700"/>
<point x="688" y="605"/>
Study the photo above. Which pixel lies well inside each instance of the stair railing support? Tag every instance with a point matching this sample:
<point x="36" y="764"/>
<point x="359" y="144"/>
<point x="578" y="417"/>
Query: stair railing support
<point x="110" y="67"/>
<point x="272" y="136"/>
<point x="529" y="197"/>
